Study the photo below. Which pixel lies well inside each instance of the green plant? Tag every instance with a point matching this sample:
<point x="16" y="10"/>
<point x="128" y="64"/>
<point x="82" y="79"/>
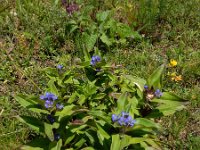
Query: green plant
<point x="98" y="31"/>
<point x="92" y="105"/>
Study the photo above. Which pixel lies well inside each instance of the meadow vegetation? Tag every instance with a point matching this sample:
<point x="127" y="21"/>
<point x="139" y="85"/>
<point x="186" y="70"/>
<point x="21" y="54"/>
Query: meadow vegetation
<point x="62" y="46"/>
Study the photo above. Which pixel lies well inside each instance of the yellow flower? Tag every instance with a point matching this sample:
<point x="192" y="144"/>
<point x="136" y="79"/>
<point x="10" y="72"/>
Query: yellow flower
<point x="172" y="63"/>
<point x="176" y="78"/>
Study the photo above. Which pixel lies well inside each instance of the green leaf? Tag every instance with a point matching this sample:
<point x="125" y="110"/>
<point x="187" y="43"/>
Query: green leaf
<point x="147" y="123"/>
<point x="115" y="145"/>
<point x="128" y="140"/>
<point x="153" y="144"/>
<point x="99" y="96"/>
<point x="139" y="82"/>
<point x="124" y="30"/>
<point x="56" y="2"/>
<point x="38" y="110"/>
<point x="124" y="142"/>
<point x="100" y="115"/>
<point x="52" y="87"/>
<point x="80" y="143"/>
<point x="121" y="102"/>
<point x="169" y="109"/>
<point x="51" y="72"/>
<point x="155" y="78"/>
<point x="72" y="97"/>
<point x="89" y="41"/>
<point x="69" y="139"/>
<point x="67" y="111"/>
<point x="102" y="16"/>
<point x="102" y="132"/>
<point x="169" y="103"/>
<point x="48" y="128"/>
<point x="26" y="147"/>
<point x="171" y="96"/>
<point x="56" y="145"/>
<point x="25" y="101"/>
<point x="32" y="122"/>
<point x="77" y="129"/>
<point x="134" y="140"/>
<point x="90" y="137"/>
<point x="88" y="148"/>
<point x="106" y="40"/>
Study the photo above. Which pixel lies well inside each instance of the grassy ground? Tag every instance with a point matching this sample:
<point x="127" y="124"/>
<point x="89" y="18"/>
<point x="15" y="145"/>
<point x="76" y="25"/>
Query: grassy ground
<point x="31" y="37"/>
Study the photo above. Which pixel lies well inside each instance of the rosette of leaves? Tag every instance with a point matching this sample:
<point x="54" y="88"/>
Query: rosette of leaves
<point x="90" y="95"/>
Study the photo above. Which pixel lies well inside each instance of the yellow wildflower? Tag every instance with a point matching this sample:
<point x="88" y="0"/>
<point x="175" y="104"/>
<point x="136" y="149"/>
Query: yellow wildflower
<point x="172" y="63"/>
<point x="176" y="78"/>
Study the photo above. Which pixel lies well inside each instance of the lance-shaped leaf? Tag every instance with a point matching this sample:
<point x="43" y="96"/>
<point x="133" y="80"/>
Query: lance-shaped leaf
<point x="48" y="128"/>
<point x="116" y="142"/>
<point x="25" y="101"/>
<point x="147" y="123"/>
<point x="88" y="148"/>
<point x="171" y="96"/>
<point x="32" y="122"/>
<point x="121" y="103"/>
<point x="52" y="87"/>
<point x="155" y="78"/>
<point x="67" y="111"/>
<point x="56" y="145"/>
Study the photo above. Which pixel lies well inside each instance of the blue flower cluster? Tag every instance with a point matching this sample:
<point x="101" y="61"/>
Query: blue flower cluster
<point x="95" y="59"/>
<point x="49" y="99"/>
<point x="124" y="119"/>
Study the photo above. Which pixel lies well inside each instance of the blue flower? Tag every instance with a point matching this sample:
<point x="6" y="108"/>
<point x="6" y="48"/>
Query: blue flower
<point x="48" y="96"/>
<point x="124" y="119"/>
<point x="114" y="117"/>
<point x="59" y="67"/>
<point x="158" y="93"/>
<point x="146" y="87"/>
<point x="95" y="59"/>
<point x="51" y="119"/>
<point x="59" y="106"/>
<point x="48" y="104"/>
<point x="49" y="99"/>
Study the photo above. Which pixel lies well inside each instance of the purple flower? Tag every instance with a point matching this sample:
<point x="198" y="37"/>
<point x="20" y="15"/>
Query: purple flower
<point x="71" y="8"/>
<point x="132" y="123"/>
<point x="158" y="93"/>
<point x="95" y="59"/>
<point x="124" y="119"/>
<point x="146" y="87"/>
<point x="48" y="96"/>
<point x="48" y="104"/>
<point x="114" y="117"/>
<point x="59" y="67"/>
<point x="59" y="106"/>
<point x="49" y="99"/>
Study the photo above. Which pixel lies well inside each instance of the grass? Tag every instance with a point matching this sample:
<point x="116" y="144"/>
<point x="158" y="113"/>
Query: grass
<point x="33" y="37"/>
